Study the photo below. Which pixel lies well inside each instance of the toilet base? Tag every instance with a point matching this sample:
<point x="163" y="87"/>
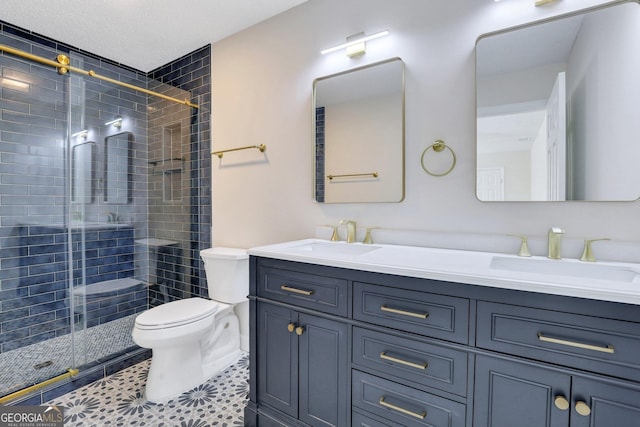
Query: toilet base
<point x="166" y="379"/>
<point x="177" y="369"/>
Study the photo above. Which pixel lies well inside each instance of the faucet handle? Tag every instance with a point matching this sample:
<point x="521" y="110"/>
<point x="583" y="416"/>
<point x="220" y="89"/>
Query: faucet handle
<point x="587" y="253"/>
<point x="367" y="237"/>
<point x="524" y="246"/>
<point x="334" y="233"/>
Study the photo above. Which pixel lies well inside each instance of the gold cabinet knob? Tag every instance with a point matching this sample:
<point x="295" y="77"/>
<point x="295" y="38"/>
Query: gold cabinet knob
<point x="291" y="327"/>
<point x="561" y="403"/>
<point x="582" y="408"/>
<point x="299" y="330"/>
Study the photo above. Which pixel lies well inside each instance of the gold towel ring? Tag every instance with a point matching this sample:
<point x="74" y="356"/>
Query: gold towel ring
<point x="438" y="147"/>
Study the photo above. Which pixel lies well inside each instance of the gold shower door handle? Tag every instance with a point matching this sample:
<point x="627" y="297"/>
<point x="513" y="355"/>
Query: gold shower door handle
<point x="404" y="312"/>
<point x="421" y="366"/>
<point x="603" y="349"/>
<point x="418" y="415"/>
<point x="296" y="290"/>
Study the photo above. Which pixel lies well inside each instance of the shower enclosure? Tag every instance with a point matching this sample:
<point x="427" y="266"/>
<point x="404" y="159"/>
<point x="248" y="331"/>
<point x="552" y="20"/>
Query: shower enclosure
<point x="97" y="204"/>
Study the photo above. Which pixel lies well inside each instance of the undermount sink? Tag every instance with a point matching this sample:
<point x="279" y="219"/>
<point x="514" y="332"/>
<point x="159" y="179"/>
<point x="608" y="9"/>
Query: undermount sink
<point x="568" y="268"/>
<point x="334" y="248"/>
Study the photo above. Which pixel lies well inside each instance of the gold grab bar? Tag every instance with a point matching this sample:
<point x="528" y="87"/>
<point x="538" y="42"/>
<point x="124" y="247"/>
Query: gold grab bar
<point x="385" y="356"/>
<point x="62" y="65"/>
<point x="417" y="415"/>
<point x="9" y="397"/>
<point x="608" y="349"/>
<point x="220" y="153"/>
<point x="404" y="312"/>
<point x="295" y="290"/>
<point x="372" y="174"/>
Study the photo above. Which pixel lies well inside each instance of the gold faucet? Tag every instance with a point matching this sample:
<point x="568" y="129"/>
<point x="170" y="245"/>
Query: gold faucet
<point x="555" y="235"/>
<point x="587" y="253"/>
<point x="351" y="230"/>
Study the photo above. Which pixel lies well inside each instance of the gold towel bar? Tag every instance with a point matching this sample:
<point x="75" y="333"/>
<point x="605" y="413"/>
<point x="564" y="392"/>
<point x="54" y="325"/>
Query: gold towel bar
<point x="62" y="65"/>
<point x="373" y="174"/>
<point x="220" y="153"/>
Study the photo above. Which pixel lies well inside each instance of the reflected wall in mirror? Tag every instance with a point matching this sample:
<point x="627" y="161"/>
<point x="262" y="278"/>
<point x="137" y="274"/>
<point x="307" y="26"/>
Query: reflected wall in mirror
<point x="83" y="157"/>
<point x="358" y="122"/>
<point x="117" y="168"/>
<point x="558" y="108"/>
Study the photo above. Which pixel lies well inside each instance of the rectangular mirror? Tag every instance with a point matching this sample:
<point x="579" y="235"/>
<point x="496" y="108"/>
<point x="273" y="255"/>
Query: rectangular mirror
<point x="358" y="123"/>
<point x="83" y="158"/>
<point x="118" y="168"/>
<point x="557" y="113"/>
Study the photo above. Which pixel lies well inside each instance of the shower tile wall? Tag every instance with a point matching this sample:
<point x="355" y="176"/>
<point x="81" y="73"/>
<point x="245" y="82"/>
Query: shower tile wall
<point x="34" y="304"/>
<point x="181" y="214"/>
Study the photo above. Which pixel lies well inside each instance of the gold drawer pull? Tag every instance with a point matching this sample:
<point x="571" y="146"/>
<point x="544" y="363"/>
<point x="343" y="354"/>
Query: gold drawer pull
<point x="295" y="290"/>
<point x="385" y="356"/>
<point x="607" y="349"/>
<point x="404" y="312"/>
<point x="419" y="416"/>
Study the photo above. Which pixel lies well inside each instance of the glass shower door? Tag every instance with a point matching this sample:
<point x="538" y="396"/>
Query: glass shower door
<point x="36" y="244"/>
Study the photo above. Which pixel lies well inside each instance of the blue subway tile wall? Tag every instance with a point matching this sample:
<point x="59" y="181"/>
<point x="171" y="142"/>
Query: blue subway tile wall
<point x="37" y="113"/>
<point x="180" y="269"/>
<point x="38" y="107"/>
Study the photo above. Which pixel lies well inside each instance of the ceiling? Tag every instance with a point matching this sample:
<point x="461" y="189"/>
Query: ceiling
<point x="143" y="34"/>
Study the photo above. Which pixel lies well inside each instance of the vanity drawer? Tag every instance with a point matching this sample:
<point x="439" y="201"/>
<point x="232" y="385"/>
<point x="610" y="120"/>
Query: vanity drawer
<point x="404" y="405"/>
<point x="322" y="293"/>
<point x="578" y="341"/>
<point x="422" y="313"/>
<point x="426" y="364"/>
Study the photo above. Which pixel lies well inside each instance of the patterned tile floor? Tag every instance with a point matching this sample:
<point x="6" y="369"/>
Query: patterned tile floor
<point x="118" y="400"/>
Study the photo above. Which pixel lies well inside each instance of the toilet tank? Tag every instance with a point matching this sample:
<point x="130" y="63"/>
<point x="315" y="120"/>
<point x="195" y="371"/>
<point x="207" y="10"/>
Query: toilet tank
<point x="227" y="274"/>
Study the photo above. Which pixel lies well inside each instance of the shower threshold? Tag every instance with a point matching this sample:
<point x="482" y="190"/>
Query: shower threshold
<point x="32" y="364"/>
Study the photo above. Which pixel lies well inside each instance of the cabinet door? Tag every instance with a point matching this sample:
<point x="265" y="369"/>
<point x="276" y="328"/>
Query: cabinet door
<point x="277" y="359"/>
<point x="509" y="394"/>
<point x="323" y="373"/>
<point x="600" y="404"/>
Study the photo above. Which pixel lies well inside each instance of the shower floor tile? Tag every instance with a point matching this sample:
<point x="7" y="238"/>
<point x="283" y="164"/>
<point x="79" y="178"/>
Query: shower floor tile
<point x="32" y="364"/>
<point x="118" y="400"/>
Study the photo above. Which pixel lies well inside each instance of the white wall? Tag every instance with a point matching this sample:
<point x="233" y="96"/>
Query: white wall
<point x="261" y="93"/>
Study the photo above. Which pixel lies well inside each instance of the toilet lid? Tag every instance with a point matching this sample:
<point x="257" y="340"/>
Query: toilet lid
<point x="176" y="313"/>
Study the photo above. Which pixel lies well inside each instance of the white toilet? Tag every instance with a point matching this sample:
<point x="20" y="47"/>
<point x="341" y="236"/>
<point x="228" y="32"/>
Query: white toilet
<point x="195" y="338"/>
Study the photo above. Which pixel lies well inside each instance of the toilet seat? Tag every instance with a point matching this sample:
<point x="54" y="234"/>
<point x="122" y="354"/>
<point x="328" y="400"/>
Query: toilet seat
<point x="177" y="313"/>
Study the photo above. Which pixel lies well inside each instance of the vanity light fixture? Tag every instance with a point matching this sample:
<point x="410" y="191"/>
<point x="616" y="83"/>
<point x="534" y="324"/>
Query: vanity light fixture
<point x="117" y="122"/>
<point x="543" y="2"/>
<point x="82" y="134"/>
<point x="356" y="44"/>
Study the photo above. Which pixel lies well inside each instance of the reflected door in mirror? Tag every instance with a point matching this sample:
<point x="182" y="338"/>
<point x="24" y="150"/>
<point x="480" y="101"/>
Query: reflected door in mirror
<point x="558" y="107"/>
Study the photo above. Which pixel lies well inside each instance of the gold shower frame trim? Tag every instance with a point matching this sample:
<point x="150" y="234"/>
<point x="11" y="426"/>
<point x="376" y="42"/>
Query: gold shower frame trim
<point x="9" y="397"/>
<point x="220" y="153"/>
<point x="63" y="67"/>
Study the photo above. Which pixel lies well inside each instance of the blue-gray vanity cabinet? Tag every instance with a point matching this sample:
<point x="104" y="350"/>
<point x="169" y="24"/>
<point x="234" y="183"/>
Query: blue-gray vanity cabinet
<point x="410" y="360"/>
<point x="303" y="369"/>
<point x="433" y="315"/>
<point x="518" y="393"/>
<point x="402" y="405"/>
<point x="381" y="350"/>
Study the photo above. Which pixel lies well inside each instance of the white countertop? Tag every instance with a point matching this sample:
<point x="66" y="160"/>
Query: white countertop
<point x="607" y="281"/>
